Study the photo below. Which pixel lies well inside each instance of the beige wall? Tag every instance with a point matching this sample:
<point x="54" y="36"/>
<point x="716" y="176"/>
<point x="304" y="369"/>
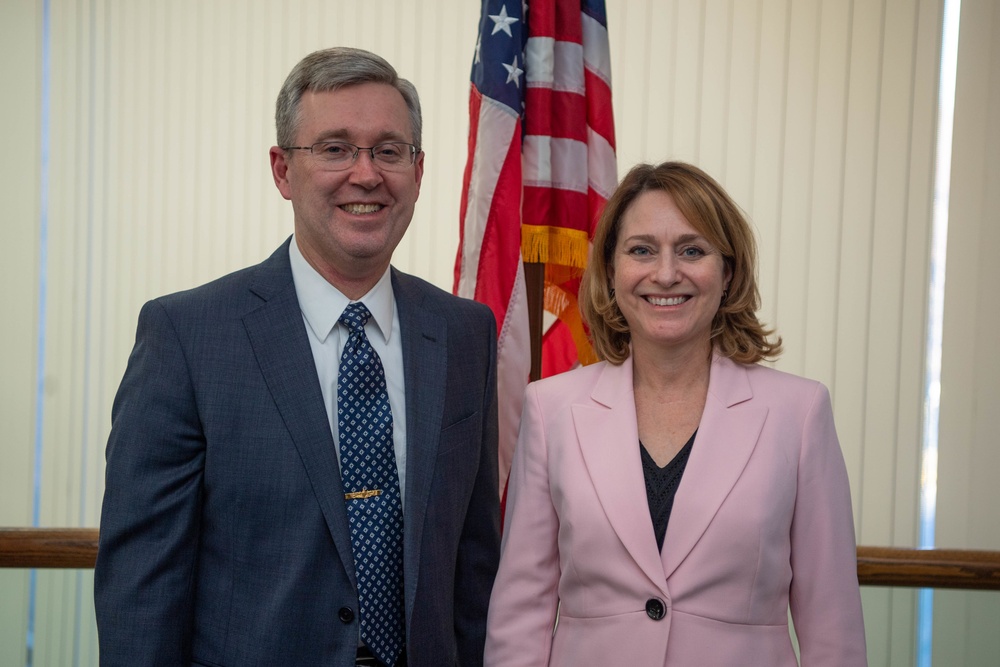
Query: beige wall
<point x="817" y="115"/>
<point x="19" y="244"/>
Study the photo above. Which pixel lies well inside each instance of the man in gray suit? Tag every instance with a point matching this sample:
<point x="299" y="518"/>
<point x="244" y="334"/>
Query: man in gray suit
<point x="234" y="531"/>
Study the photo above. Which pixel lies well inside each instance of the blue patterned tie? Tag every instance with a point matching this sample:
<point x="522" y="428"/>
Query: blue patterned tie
<point x="371" y="488"/>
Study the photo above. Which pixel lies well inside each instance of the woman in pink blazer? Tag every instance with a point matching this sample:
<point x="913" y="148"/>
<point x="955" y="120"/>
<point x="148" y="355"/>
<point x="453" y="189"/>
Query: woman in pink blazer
<point x="669" y="505"/>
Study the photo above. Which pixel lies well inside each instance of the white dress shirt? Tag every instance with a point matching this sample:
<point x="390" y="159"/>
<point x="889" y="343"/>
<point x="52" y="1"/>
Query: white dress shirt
<point x="322" y="304"/>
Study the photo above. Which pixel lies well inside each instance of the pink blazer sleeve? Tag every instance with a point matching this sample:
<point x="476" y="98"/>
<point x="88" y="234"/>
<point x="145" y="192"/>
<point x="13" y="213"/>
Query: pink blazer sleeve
<point x="523" y="605"/>
<point x="824" y="598"/>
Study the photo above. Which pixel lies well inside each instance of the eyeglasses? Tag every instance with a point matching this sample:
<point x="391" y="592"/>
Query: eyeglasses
<point x="340" y="155"/>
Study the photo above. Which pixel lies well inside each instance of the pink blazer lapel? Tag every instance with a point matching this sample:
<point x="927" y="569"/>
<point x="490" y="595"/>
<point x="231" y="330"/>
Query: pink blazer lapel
<point x="730" y="426"/>
<point x="609" y="439"/>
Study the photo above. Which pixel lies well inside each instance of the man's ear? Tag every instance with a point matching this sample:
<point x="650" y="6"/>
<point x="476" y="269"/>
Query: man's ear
<point x="419" y="171"/>
<point x="279" y="171"/>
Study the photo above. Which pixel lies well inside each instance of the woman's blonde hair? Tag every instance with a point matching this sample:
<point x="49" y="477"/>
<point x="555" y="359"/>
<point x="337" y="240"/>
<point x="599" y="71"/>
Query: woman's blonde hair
<point x="736" y="331"/>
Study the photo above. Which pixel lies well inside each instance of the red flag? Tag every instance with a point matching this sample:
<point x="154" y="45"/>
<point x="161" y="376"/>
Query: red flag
<point x="541" y="165"/>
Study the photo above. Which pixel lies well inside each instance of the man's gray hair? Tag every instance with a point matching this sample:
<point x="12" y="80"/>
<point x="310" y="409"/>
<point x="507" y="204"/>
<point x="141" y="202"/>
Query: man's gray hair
<point x="335" y="68"/>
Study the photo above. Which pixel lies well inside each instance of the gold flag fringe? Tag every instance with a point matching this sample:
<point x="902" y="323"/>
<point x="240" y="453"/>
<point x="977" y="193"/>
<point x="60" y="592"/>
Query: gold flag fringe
<point x="554" y="245"/>
<point x="564" y="253"/>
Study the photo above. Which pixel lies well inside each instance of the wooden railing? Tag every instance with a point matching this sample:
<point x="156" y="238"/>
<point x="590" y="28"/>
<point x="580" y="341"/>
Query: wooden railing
<point x="877" y="566"/>
<point x="929" y="568"/>
<point x="48" y="547"/>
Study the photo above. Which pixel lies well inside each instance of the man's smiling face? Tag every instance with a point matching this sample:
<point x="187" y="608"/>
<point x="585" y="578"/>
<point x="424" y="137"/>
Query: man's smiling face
<point x="348" y="223"/>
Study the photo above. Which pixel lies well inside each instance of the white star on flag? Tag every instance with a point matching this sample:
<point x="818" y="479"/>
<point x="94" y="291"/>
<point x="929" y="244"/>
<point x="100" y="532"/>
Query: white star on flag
<point x="513" y="72"/>
<point x="502" y="22"/>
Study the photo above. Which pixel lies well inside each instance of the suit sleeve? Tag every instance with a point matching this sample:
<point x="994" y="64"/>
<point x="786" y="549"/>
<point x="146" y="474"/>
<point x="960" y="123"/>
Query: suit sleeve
<point x="825" y="599"/>
<point x="143" y="580"/>
<point x="525" y="595"/>
<point x="479" y="545"/>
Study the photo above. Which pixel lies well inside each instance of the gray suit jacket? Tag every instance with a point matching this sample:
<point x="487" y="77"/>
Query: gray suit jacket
<point x="224" y="532"/>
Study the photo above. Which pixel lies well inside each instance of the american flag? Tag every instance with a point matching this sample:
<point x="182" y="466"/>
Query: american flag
<point x="541" y="165"/>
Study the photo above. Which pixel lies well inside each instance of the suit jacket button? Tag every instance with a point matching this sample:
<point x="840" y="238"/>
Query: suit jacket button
<point x="655" y="609"/>
<point x="346" y="614"/>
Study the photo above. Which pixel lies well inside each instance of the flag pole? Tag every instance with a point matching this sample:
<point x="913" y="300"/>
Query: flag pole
<point x="534" y="285"/>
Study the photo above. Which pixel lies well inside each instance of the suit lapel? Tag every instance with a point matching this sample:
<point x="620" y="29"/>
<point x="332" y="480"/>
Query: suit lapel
<point x="425" y="363"/>
<point x="280" y="343"/>
<point x="609" y="440"/>
<point x="727" y="435"/>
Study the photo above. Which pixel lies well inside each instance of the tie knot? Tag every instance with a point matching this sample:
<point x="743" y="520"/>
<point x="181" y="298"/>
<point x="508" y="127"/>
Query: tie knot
<point x="355" y="316"/>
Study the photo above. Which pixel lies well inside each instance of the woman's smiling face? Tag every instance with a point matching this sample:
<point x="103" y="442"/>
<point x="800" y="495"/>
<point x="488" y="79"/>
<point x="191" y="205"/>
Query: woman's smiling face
<point x="668" y="279"/>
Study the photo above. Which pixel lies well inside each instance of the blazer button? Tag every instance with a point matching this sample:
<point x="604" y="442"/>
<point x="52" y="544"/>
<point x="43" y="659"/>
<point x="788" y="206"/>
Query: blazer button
<point x="655" y="609"/>
<point x="346" y="614"/>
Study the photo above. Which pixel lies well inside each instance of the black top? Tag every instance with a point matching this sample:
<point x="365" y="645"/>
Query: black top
<point x="661" y="486"/>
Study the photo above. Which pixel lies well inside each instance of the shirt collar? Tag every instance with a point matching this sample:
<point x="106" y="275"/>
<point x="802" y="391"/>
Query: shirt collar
<point x="322" y="303"/>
